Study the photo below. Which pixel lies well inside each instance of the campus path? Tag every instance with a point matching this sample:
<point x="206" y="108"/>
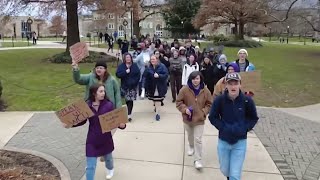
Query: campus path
<point x="283" y="146"/>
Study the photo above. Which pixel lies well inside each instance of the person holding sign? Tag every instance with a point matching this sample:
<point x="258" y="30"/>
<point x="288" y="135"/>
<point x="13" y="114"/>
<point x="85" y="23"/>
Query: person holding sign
<point x="234" y="115"/>
<point x="194" y="102"/>
<point x="100" y="75"/>
<point x="98" y="143"/>
<point x="155" y="78"/>
<point x="129" y="74"/>
<point x="221" y="84"/>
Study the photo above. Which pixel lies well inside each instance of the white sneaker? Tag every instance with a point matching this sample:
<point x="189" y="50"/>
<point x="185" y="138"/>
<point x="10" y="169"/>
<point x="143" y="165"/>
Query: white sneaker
<point x="198" y="165"/>
<point x="190" y="151"/>
<point x="110" y="174"/>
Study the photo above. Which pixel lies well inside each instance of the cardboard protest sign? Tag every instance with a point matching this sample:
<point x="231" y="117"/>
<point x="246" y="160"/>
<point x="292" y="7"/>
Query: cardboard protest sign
<point x="79" y="51"/>
<point x="251" y="81"/>
<point x="75" y="113"/>
<point x="112" y="120"/>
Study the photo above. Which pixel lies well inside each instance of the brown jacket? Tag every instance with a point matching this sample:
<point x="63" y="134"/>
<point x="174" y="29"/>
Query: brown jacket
<point x="219" y="88"/>
<point x="201" y="105"/>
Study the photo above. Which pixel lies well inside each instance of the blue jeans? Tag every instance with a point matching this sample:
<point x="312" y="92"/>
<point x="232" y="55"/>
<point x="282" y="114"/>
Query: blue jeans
<point x="231" y="158"/>
<point x="92" y="164"/>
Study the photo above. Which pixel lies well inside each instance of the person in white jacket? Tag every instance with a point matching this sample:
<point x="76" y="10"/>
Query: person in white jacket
<point x="188" y="68"/>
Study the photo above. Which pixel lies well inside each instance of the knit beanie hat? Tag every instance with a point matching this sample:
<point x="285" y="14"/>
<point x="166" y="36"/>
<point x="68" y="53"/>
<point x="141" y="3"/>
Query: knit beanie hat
<point x="243" y="51"/>
<point x="223" y="57"/>
<point x="235" y="67"/>
<point x="102" y="63"/>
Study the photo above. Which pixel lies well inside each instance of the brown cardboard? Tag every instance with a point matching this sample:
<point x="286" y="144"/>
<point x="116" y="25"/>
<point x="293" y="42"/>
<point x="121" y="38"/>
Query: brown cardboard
<point x="251" y="81"/>
<point x="79" y="51"/>
<point x="75" y="113"/>
<point x="112" y="120"/>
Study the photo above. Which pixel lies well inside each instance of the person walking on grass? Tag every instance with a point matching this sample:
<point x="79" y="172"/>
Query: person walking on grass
<point x="175" y="69"/>
<point x="129" y="74"/>
<point x="234" y="115"/>
<point x="188" y="68"/>
<point x="155" y="83"/>
<point x="194" y="102"/>
<point x="98" y="143"/>
<point x="242" y="61"/>
<point x="221" y="84"/>
<point x="110" y="44"/>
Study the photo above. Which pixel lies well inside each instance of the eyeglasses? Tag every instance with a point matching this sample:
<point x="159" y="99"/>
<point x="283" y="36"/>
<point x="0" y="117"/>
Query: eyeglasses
<point x="100" y="67"/>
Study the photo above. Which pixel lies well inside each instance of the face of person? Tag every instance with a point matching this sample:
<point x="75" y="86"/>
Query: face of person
<point x="154" y="60"/>
<point x="188" y="44"/>
<point x="222" y="61"/>
<point x="233" y="87"/>
<point x="100" y="94"/>
<point x="206" y="60"/>
<point x="182" y="52"/>
<point x="230" y="69"/>
<point x="196" y="81"/>
<point x="196" y="50"/>
<point x="191" y="59"/>
<point x="157" y="53"/>
<point x="161" y="46"/>
<point x="100" y="70"/>
<point x="175" y="54"/>
<point x="128" y="59"/>
<point x="242" y="55"/>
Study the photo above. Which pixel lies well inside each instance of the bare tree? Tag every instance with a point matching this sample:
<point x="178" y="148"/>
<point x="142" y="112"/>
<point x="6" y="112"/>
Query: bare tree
<point x="57" y="26"/>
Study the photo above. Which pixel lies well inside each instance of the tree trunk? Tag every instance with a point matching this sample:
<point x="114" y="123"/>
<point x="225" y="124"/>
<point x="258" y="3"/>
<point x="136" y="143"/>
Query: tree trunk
<point x="136" y="28"/>
<point x="236" y="29"/>
<point x="136" y="20"/>
<point x="241" y="30"/>
<point x="72" y="23"/>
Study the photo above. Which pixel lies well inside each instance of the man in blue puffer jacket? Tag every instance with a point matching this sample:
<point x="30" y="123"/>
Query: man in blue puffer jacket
<point x="233" y="114"/>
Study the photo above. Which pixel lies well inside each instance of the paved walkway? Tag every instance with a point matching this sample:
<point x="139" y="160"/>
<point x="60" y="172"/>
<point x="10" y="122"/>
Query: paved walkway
<point x="145" y="150"/>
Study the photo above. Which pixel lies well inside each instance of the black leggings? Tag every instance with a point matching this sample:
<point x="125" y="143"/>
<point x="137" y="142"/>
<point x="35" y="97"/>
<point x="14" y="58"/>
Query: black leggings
<point x="130" y="106"/>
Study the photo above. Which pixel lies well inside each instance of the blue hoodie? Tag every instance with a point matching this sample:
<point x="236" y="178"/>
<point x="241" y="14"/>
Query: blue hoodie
<point x="235" y="118"/>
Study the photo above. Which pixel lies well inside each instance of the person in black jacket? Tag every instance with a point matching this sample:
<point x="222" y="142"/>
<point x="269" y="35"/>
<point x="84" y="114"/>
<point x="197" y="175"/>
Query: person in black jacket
<point x="207" y="72"/>
<point x="129" y="74"/>
<point x="234" y="115"/>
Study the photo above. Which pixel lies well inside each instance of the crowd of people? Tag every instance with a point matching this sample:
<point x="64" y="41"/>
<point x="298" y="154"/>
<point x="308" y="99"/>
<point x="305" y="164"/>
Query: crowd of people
<point x="202" y="83"/>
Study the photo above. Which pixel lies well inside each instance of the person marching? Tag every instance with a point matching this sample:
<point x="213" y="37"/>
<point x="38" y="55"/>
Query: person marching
<point x="129" y="74"/>
<point x="234" y="115"/>
<point x="194" y="102"/>
<point x="98" y="143"/>
<point x="242" y="61"/>
<point x="175" y="74"/>
<point x="155" y="83"/>
<point x="221" y="84"/>
<point x="208" y="73"/>
<point x="188" y="68"/>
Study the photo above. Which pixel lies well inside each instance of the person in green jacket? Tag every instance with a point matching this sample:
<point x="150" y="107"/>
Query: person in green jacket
<point x="100" y="75"/>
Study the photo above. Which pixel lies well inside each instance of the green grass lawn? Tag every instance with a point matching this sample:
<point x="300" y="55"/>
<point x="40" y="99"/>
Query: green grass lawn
<point x="16" y="44"/>
<point x="291" y="39"/>
<point x="289" y="77"/>
<point x="24" y="69"/>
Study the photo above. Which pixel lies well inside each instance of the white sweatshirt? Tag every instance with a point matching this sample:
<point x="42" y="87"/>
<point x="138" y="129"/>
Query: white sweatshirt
<point x="187" y="70"/>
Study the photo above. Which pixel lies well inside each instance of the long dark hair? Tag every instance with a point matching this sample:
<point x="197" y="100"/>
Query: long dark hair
<point x="124" y="58"/>
<point x="93" y="91"/>
<point x="106" y="74"/>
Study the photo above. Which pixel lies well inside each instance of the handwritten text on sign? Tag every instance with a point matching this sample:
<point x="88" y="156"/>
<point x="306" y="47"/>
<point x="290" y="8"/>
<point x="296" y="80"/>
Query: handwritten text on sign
<point x="113" y="119"/>
<point x="79" y="51"/>
<point x="75" y="113"/>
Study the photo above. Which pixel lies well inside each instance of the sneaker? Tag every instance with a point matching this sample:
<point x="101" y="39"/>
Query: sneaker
<point x="157" y="117"/>
<point x="101" y="159"/>
<point x="190" y="151"/>
<point x="129" y="119"/>
<point x="198" y="165"/>
<point x="110" y="174"/>
<point x="173" y="101"/>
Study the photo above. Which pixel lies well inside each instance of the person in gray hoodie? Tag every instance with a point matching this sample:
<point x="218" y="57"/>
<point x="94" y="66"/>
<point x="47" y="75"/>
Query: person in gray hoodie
<point x="142" y="60"/>
<point x="175" y="70"/>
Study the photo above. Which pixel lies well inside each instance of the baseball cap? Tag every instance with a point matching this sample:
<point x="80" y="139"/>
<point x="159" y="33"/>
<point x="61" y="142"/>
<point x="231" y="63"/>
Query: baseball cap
<point x="233" y="76"/>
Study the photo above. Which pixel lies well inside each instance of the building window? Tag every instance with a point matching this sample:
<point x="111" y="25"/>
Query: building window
<point x="110" y="26"/>
<point x="151" y="25"/>
<point x="121" y="31"/>
<point x="111" y="16"/>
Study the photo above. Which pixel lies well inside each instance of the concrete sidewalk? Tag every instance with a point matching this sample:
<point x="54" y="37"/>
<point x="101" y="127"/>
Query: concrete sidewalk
<point x="156" y="150"/>
<point x="311" y="112"/>
<point x="11" y="123"/>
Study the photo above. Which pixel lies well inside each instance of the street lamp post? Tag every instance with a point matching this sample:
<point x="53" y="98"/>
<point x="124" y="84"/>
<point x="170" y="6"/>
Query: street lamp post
<point x="269" y="34"/>
<point x="182" y="28"/>
<point x="29" y="22"/>
<point x="288" y="28"/>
